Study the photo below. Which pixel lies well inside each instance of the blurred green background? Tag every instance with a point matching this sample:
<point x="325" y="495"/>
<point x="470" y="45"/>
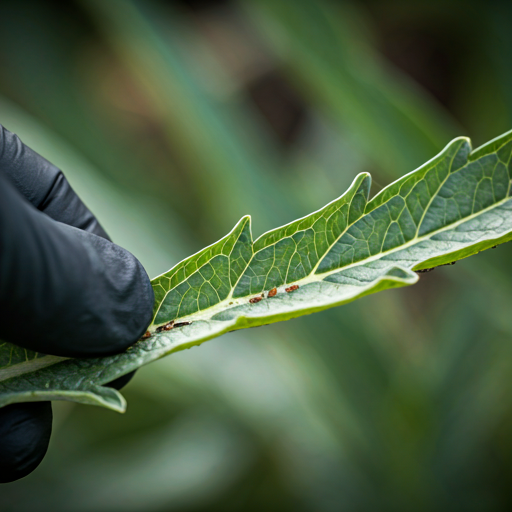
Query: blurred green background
<point x="172" y="119"/>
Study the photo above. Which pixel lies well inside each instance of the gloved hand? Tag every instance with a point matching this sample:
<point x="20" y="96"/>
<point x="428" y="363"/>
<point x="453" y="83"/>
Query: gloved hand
<point x="65" y="288"/>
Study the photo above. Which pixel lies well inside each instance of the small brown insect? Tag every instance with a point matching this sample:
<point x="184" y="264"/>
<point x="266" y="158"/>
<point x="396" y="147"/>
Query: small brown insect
<point x="230" y="303"/>
<point x="146" y="335"/>
<point x="291" y="288"/>
<point x="254" y="300"/>
<point x="181" y="324"/>
<point x="272" y="292"/>
<point x="167" y="327"/>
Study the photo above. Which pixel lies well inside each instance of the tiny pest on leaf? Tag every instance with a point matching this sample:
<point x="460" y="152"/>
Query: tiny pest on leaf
<point x="181" y="324"/>
<point x="167" y="327"/>
<point x="272" y="292"/>
<point x="146" y="335"/>
<point x="291" y="288"/>
<point x="254" y="300"/>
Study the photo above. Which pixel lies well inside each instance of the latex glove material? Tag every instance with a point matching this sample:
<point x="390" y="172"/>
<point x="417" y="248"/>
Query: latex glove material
<point x="65" y="289"/>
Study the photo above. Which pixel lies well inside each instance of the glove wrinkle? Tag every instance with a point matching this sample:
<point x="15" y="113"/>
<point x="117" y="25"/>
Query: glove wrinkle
<point x="44" y="185"/>
<point x="62" y="204"/>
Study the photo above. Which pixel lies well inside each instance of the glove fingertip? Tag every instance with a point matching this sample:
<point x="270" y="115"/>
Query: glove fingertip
<point x="132" y="306"/>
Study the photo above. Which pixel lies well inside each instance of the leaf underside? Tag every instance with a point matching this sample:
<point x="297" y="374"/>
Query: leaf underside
<point x="457" y="204"/>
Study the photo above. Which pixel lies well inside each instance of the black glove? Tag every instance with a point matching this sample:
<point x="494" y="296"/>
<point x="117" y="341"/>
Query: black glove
<point x="65" y="288"/>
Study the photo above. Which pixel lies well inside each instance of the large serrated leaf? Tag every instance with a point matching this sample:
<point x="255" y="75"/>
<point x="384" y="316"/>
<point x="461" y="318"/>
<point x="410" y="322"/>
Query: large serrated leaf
<point x="457" y="204"/>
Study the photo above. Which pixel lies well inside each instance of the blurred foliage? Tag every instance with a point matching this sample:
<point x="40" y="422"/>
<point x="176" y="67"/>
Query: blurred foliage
<point x="172" y="120"/>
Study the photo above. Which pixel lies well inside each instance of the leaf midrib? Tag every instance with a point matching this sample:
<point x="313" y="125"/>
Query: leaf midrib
<point x="415" y="240"/>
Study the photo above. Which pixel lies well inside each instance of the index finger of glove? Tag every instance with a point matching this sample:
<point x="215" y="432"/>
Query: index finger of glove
<point x="44" y="185"/>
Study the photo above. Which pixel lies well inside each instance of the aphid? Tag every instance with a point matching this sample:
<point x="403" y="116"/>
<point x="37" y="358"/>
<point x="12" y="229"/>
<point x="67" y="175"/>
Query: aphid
<point x="181" y="324"/>
<point x="291" y="288"/>
<point x="146" y="335"/>
<point x="254" y="300"/>
<point x="272" y="292"/>
<point x="167" y="327"/>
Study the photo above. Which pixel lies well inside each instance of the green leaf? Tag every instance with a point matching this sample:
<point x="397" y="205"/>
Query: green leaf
<point x="455" y="205"/>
